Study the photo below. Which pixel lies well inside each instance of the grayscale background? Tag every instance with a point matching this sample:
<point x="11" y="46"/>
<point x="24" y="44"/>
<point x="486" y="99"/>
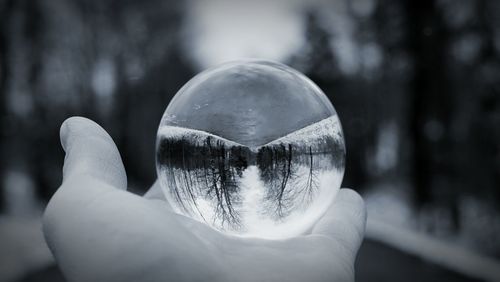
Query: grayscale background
<point x="415" y="83"/>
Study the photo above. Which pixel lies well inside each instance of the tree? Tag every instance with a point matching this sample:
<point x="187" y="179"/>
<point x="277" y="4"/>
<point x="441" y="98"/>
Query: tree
<point x="431" y="106"/>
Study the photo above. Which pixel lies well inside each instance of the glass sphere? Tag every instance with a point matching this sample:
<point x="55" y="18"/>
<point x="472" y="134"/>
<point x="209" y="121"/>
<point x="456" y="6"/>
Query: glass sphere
<point x="251" y="148"/>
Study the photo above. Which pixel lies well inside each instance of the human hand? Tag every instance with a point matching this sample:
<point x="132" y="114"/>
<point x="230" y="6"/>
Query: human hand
<point x="98" y="231"/>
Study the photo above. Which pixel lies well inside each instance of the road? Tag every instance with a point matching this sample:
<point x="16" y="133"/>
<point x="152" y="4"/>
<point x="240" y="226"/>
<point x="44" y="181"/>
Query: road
<point x="376" y="263"/>
<point x="379" y="263"/>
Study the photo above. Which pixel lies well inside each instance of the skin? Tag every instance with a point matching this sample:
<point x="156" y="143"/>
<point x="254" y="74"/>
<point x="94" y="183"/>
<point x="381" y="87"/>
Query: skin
<point x="98" y="231"/>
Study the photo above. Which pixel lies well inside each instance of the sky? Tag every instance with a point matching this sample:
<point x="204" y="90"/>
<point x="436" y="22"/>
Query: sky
<point x="223" y="30"/>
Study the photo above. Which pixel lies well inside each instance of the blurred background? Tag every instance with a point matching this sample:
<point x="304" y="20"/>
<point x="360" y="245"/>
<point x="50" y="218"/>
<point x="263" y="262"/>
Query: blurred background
<point x="415" y="83"/>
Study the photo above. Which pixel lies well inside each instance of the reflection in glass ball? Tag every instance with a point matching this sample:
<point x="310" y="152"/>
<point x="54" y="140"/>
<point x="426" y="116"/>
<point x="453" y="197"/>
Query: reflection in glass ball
<point x="252" y="148"/>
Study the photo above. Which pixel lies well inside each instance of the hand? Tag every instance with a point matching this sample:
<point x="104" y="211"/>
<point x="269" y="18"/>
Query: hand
<point x="98" y="231"/>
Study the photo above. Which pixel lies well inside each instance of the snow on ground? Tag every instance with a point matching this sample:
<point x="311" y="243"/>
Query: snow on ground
<point x="392" y="221"/>
<point x="195" y="136"/>
<point x="308" y="135"/>
<point x="23" y="247"/>
<point x="430" y="249"/>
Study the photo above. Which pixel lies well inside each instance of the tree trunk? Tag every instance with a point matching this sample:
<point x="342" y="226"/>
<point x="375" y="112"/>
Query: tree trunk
<point x="430" y="106"/>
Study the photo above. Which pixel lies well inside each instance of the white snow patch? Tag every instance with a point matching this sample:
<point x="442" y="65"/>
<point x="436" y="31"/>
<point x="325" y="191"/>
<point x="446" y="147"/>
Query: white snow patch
<point x="433" y="250"/>
<point x="295" y="224"/>
<point x="193" y="135"/>
<point x="393" y="222"/>
<point x="23" y="247"/>
<point x="309" y="134"/>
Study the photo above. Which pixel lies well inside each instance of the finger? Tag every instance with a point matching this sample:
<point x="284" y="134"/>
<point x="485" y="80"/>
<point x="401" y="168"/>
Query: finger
<point x="92" y="172"/>
<point x="344" y="221"/>
<point x="91" y="151"/>
<point x="91" y="198"/>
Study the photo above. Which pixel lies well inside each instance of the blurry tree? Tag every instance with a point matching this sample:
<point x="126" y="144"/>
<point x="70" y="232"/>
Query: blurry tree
<point x="316" y="58"/>
<point x="393" y="76"/>
<point x="5" y="12"/>
<point x="318" y="61"/>
<point x="432" y="106"/>
<point x="475" y="70"/>
<point x="150" y="69"/>
<point x="117" y="62"/>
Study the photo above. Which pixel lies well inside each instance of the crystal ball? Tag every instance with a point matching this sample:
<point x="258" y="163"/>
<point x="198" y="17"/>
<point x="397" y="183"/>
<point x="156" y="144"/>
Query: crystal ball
<point x="251" y="148"/>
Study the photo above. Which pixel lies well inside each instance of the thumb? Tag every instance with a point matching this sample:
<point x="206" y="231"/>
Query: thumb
<point x="91" y="151"/>
<point x="344" y="221"/>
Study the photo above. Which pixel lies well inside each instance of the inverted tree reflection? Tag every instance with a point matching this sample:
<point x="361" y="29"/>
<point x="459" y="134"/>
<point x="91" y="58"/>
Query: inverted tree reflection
<point x="206" y="173"/>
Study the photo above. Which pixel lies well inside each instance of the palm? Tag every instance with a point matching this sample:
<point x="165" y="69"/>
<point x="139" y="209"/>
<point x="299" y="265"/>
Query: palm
<point x="99" y="232"/>
<point x="306" y="258"/>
